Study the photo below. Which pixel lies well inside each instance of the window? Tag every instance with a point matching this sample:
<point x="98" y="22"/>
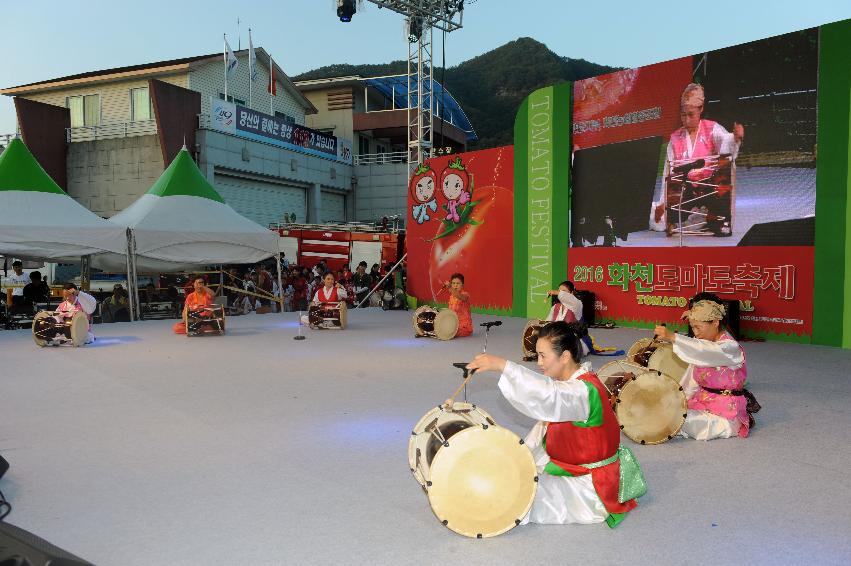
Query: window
<point x="363" y="145"/>
<point x="231" y="99"/>
<point x="85" y="110"/>
<point x="141" y="107"/>
<point x="287" y="118"/>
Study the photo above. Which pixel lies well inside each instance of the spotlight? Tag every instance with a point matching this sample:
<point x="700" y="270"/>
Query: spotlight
<point x="345" y="10"/>
<point x="415" y="28"/>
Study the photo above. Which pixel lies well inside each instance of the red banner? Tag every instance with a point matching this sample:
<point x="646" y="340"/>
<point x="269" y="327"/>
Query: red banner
<point x="773" y="284"/>
<point x="629" y="104"/>
<point x="461" y="219"/>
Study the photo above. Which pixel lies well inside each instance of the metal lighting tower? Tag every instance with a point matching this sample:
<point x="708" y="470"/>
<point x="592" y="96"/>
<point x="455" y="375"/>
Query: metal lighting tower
<point x="421" y="17"/>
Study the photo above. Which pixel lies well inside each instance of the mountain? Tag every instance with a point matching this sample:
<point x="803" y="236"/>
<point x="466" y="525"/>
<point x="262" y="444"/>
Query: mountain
<point x="489" y="87"/>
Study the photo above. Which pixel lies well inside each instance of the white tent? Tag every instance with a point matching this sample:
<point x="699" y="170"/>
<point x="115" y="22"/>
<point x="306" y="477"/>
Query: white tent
<point x="183" y="223"/>
<point x="39" y="221"/>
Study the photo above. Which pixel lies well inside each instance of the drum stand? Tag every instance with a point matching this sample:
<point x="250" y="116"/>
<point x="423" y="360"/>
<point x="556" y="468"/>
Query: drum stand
<point x="299" y="336"/>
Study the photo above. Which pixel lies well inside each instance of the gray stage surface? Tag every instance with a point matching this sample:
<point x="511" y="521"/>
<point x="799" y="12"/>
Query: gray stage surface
<point x="150" y="448"/>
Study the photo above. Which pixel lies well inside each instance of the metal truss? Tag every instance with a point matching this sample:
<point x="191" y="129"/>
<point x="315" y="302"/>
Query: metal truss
<point x="444" y="15"/>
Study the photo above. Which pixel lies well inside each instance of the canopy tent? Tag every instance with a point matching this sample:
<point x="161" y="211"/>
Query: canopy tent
<point x="39" y="221"/>
<point x="183" y="223"/>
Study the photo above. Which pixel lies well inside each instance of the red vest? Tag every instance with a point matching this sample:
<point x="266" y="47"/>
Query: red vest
<point x="320" y="295"/>
<point x="569" y="445"/>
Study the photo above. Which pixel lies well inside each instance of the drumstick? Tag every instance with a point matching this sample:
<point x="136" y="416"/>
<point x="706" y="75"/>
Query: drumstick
<point x="451" y="400"/>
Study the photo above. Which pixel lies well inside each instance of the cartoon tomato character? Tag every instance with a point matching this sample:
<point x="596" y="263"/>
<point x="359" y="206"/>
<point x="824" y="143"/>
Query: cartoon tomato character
<point x="454" y="182"/>
<point x="422" y="188"/>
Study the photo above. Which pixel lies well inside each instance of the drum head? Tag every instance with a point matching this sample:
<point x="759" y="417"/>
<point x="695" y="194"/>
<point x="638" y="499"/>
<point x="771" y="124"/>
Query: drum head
<point x="483" y="483"/>
<point x="651" y="409"/>
<point x="530" y="338"/>
<point x="665" y="361"/>
<point x="444" y="421"/>
<point x="79" y="328"/>
<point x="37" y="323"/>
<point x="637" y="347"/>
<point x="415" y="319"/>
<point x="446" y="324"/>
<point x="612" y="372"/>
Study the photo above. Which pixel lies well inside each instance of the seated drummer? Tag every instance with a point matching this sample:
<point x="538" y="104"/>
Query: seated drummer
<point x="195" y="301"/>
<point x="718" y="404"/>
<point x="568" y="308"/>
<point x="330" y="292"/>
<point x="576" y="442"/>
<point x="76" y="300"/>
<point x="566" y="305"/>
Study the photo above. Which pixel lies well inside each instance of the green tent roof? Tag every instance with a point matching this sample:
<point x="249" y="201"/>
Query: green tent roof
<point x="183" y="177"/>
<point x="19" y="171"/>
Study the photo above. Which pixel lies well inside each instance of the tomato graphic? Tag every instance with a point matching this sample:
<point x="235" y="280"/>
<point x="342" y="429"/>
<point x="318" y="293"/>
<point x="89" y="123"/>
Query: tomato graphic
<point x="483" y="252"/>
<point x="480" y="244"/>
<point x="423" y="183"/>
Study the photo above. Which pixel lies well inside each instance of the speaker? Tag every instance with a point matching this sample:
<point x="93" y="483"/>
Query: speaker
<point x="588" y="299"/>
<point x="22" y="548"/>
<point x="796" y="232"/>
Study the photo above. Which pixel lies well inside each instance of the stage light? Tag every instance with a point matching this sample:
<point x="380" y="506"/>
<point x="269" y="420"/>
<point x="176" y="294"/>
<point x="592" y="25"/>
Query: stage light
<point x="415" y="28"/>
<point x="346" y="9"/>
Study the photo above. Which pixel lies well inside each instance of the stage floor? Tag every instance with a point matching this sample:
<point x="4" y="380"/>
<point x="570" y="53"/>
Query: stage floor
<point x="252" y="448"/>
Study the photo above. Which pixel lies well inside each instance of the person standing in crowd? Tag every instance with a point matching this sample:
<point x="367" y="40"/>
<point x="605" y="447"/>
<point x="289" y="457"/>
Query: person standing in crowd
<point x="459" y="302"/>
<point x="719" y="406"/>
<point x="362" y="282"/>
<point x="115" y="307"/>
<point x="17" y="280"/>
<point x="264" y="282"/>
<point x="36" y="291"/>
<point x="585" y="475"/>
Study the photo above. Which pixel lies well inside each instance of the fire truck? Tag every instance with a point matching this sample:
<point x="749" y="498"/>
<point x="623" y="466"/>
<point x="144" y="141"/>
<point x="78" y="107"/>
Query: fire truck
<point x="340" y="244"/>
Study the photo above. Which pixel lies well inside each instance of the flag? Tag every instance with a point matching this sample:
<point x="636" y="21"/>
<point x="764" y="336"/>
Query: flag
<point x="231" y="62"/>
<point x="252" y="59"/>
<point x="273" y="85"/>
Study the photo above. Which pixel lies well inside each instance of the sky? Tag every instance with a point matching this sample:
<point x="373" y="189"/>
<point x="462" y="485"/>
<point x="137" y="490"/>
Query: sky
<point x="49" y="39"/>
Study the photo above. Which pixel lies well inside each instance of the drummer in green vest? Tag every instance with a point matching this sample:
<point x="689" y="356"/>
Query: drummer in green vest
<point x="585" y="475"/>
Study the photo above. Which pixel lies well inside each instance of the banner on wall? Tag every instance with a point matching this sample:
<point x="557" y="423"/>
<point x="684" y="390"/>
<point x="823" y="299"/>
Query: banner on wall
<point x="773" y="284"/>
<point x="461" y="220"/>
<point x="245" y="122"/>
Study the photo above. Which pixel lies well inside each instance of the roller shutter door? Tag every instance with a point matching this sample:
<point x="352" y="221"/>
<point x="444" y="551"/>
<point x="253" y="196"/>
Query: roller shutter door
<point x="333" y="207"/>
<point x="262" y="202"/>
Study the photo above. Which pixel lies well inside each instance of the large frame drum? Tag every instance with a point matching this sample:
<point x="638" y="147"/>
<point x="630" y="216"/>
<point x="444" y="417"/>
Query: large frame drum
<point x="328" y="316"/>
<point x="530" y="338"/>
<point x="651" y="408"/>
<point x="659" y="357"/>
<point x="615" y="375"/>
<point x="480" y="478"/>
<point x="205" y="320"/>
<point x="48" y="331"/>
<point x="441" y="324"/>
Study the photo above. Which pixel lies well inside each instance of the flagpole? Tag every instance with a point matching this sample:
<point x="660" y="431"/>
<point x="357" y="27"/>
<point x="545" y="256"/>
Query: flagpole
<point x="225" y="51"/>
<point x="250" y="68"/>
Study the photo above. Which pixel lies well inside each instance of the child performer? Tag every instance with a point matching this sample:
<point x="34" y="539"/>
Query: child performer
<point x="718" y="404"/>
<point x="459" y="301"/>
<point x="584" y="474"/>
